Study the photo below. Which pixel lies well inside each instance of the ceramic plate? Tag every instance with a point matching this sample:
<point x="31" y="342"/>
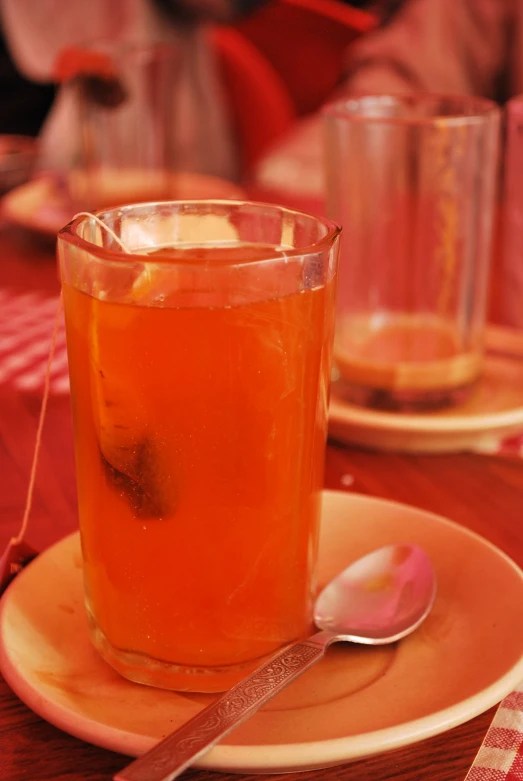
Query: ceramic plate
<point x="492" y="412"/>
<point x="358" y="701"/>
<point x="40" y="205"/>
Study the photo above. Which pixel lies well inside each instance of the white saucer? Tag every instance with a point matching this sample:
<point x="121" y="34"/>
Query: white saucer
<point x="360" y="701"/>
<point x="40" y="206"/>
<point x="492" y="412"/>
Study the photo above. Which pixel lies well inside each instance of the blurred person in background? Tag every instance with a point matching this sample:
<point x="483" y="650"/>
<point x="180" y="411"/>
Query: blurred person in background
<point x="35" y="33"/>
<point x="463" y="47"/>
<point x="457" y="46"/>
<point x="466" y="47"/>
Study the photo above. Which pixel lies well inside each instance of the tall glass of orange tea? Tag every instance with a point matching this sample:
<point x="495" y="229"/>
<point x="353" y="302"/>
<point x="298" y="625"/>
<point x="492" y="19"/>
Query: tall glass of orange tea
<point x="200" y="366"/>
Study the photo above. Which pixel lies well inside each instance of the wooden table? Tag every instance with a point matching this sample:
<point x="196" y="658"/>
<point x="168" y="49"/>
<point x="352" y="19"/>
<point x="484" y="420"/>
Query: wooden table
<point x="483" y="493"/>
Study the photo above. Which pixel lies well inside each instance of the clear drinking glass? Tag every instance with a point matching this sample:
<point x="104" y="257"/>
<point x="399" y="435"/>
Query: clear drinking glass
<point x="140" y="109"/>
<point x="127" y="123"/>
<point x="199" y="370"/>
<point x="412" y="179"/>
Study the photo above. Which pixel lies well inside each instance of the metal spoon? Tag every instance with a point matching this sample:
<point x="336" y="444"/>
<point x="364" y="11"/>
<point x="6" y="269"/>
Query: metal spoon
<point x="376" y="600"/>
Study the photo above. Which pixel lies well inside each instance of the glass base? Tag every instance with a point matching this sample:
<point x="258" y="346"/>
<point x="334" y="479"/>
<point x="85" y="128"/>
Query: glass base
<point x="168" y="675"/>
<point x="402" y="400"/>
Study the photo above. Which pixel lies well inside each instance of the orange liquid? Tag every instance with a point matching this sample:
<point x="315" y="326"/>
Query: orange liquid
<point x="199" y="437"/>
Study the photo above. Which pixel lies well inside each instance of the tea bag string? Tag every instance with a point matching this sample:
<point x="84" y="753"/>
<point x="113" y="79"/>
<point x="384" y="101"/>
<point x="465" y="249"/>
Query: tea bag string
<point x="38" y="441"/>
<point x="106" y="228"/>
<point x="45" y="398"/>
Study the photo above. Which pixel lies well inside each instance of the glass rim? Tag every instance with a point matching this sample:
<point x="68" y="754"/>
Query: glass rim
<point x="69" y="234"/>
<point x="480" y="109"/>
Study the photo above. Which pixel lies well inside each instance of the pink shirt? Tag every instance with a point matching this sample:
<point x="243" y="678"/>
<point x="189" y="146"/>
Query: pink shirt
<point x="472" y="47"/>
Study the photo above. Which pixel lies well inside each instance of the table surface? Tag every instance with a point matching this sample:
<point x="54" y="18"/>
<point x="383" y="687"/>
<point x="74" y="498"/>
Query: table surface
<point x="484" y="493"/>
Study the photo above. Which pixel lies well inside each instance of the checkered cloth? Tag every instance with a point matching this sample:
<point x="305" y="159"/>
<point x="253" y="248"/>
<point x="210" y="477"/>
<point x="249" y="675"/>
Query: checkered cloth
<point x="500" y="757"/>
<point x="27" y="322"/>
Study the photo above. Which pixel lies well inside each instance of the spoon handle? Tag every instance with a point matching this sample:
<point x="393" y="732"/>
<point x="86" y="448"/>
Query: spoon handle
<point x="177" y="751"/>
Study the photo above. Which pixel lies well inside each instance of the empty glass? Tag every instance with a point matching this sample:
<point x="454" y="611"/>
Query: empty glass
<point x="412" y="180"/>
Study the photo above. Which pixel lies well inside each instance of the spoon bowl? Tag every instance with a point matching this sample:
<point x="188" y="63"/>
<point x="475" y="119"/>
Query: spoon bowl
<point x="378" y="599"/>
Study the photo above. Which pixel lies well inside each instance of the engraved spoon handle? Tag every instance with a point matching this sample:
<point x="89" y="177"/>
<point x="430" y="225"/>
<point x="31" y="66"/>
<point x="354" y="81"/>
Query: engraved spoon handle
<point x="176" y="752"/>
